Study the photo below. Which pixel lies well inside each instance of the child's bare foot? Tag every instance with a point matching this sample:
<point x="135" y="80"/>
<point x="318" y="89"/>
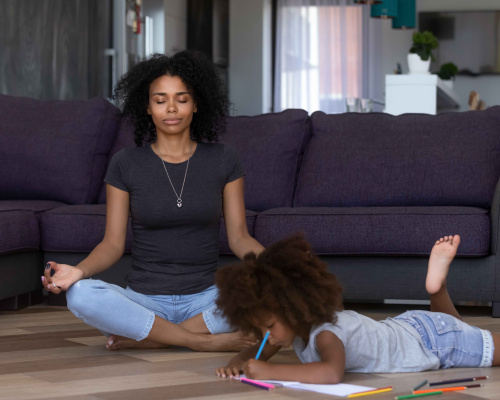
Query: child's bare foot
<point x="116" y="342"/>
<point x="442" y="255"/>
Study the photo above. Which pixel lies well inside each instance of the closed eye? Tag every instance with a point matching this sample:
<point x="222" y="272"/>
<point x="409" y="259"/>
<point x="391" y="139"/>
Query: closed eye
<point x="160" y="102"/>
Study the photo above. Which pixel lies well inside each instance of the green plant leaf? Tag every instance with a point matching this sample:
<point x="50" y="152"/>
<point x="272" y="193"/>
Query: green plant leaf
<point x="423" y="44"/>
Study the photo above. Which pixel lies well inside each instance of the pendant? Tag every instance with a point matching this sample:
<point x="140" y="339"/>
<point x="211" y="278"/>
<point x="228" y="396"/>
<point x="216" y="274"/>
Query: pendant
<point x="179" y="203"/>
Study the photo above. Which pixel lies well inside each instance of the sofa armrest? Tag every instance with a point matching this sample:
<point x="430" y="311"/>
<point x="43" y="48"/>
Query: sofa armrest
<point x="495" y="219"/>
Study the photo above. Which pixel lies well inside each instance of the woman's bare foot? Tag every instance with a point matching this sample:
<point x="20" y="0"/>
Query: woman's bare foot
<point x="442" y="255"/>
<point x="116" y="342"/>
<point x="234" y="341"/>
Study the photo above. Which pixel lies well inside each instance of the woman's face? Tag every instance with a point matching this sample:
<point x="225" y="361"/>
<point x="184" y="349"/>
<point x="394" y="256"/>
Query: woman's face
<point x="170" y="105"/>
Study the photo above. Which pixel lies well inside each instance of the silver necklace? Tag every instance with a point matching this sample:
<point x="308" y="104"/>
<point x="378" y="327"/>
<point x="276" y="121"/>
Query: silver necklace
<point x="179" y="196"/>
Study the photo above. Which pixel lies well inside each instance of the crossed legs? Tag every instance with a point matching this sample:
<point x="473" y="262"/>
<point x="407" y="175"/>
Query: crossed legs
<point x="192" y="333"/>
<point x="132" y="320"/>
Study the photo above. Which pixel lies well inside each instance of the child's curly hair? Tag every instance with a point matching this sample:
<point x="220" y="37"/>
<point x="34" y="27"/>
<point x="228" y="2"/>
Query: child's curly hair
<point x="202" y="81"/>
<point x="287" y="279"/>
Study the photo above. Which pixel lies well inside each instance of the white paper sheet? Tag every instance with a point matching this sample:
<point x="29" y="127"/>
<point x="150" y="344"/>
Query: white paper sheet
<point x="340" y="389"/>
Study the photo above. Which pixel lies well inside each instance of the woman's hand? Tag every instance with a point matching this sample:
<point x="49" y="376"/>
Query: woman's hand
<point x="59" y="277"/>
<point x="232" y="369"/>
<point x="257" y="369"/>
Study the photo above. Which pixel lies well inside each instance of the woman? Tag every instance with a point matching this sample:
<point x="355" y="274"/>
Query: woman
<point x="174" y="185"/>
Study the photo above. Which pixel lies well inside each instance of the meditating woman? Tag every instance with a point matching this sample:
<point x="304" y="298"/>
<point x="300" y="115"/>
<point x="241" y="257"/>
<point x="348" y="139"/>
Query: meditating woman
<point x="175" y="185"/>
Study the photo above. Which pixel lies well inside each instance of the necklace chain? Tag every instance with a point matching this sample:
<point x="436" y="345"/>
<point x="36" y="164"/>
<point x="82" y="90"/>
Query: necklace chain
<point x="179" y="196"/>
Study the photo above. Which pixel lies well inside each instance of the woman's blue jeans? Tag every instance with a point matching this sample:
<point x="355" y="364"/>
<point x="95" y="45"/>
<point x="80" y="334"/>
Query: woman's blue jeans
<point x="118" y="311"/>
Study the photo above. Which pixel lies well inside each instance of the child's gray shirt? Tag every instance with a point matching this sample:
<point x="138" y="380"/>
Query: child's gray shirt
<point x="372" y="346"/>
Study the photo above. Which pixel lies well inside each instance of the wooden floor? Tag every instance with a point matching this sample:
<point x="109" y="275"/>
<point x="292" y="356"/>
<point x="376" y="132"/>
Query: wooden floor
<point x="47" y="353"/>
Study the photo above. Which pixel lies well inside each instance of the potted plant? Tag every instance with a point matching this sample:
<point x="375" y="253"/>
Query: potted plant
<point x="447" y="72"/>
<point x="420" y="56"/>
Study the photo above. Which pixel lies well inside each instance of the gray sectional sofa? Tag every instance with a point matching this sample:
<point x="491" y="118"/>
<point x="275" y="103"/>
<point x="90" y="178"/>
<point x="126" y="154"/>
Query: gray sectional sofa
<point x="371" y="192"/>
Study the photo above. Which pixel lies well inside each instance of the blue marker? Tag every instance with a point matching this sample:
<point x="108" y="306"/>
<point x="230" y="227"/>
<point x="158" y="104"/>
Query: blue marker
<point x="262" y="345"/>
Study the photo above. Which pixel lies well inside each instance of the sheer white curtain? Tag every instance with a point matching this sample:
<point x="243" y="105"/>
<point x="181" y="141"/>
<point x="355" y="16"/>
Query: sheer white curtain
<point x="323" y="51"/>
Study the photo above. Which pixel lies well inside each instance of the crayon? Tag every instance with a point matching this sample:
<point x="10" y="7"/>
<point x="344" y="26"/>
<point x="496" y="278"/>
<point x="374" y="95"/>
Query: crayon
<point x="447" y="389"/>
<point x="420" y="385"/>
<point x="413" y="396"/>
<point x="260" y="385"/>
<point x="374" y="391"/>
<point x="262" y="345"/>
<point x="477" y="378"/>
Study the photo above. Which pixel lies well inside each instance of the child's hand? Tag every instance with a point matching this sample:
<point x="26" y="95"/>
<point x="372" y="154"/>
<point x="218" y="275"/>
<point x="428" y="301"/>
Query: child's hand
<point x="231" y="370"/>
<point x="256" y="369"/>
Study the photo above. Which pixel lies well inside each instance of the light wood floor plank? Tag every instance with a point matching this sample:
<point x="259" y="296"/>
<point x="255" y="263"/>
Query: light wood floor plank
<point x="47" y="353"/>
<point x="13" y="331"/>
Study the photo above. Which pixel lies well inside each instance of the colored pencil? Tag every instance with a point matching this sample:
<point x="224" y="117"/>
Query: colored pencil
<point x="373" y="391"/>
<point x="262" y="345"/>
<point x="261" y="385"/>
<point x="420" y="385"/>
<point x="448" y="389"/>
<point x="413" y="396"/>
<point x="477" y="378"/>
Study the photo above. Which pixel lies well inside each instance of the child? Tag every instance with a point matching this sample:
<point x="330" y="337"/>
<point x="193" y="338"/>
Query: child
<point x="288" y="291"/>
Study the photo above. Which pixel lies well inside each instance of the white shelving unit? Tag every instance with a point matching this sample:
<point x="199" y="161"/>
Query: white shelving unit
<point x="426" y="94"/>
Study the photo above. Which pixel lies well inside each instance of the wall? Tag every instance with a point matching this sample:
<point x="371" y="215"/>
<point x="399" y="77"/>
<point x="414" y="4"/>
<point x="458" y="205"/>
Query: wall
<point x="395" y="45"/>
<point x="250" y="63"/>
<point x="175" y="25"/>
<point x="457" y="5"/>
<point x="154" y="10"/>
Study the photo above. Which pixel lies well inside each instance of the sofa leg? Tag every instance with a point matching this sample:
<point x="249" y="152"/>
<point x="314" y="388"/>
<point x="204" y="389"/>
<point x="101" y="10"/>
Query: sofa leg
<point x="15" y="303"/>
<point x="57" y="299"/>
<point x="495" y="312"/>
<point x="21" y="301"/>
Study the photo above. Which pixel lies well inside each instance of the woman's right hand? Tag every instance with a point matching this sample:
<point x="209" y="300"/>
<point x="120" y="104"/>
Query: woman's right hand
<point x="59" y="277"/>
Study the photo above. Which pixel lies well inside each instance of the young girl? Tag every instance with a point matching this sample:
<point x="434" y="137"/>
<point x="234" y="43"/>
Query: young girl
<point x="288" y="291"/>
<point x="175" y="185"/>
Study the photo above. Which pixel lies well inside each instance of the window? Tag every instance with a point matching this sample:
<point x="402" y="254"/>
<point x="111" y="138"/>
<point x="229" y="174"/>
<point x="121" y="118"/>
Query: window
<point x="319" y="54"/>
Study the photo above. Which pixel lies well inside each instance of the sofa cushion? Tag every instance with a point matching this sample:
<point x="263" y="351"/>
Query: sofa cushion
<point x="378" y="230"/>
<point x="18" y="231"/>
<point x="375" y="159"/>
<point x="80" y="228"/>
<point x="223" y="243"/>
<point x="124" y="139"/>
<point x="36" y="206"/>
<point x="76" y="228"/>
<point x="271" y="148"/>
<point x="55" y="150"/>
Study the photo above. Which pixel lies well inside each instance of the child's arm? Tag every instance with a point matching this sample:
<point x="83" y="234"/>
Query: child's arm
<point x="329" y="370"/>
<point x="235" y="365"/>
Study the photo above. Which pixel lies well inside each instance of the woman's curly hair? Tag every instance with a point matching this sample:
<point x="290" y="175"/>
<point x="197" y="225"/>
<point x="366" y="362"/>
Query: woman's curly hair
<point x="287" y="279"/>
<point x="202" y="81"/>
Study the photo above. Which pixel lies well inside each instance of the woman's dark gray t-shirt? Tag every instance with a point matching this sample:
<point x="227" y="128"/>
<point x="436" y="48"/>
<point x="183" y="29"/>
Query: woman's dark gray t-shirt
<point x="175" y="250"/>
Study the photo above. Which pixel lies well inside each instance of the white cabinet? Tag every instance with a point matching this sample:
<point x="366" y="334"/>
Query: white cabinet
<point x="425" y="94"/>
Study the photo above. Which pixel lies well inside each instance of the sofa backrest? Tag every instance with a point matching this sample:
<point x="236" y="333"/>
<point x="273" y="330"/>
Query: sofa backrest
<point x="376" y="159"/>
<point x="55" y="149"/>
<point x="124" y="139"/>
<point x="270" y="147"/>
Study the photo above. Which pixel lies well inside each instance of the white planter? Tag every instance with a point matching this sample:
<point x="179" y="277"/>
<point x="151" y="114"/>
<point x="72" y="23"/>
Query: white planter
<point x="448" y="83"/>
<point x="416" y="66"/>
